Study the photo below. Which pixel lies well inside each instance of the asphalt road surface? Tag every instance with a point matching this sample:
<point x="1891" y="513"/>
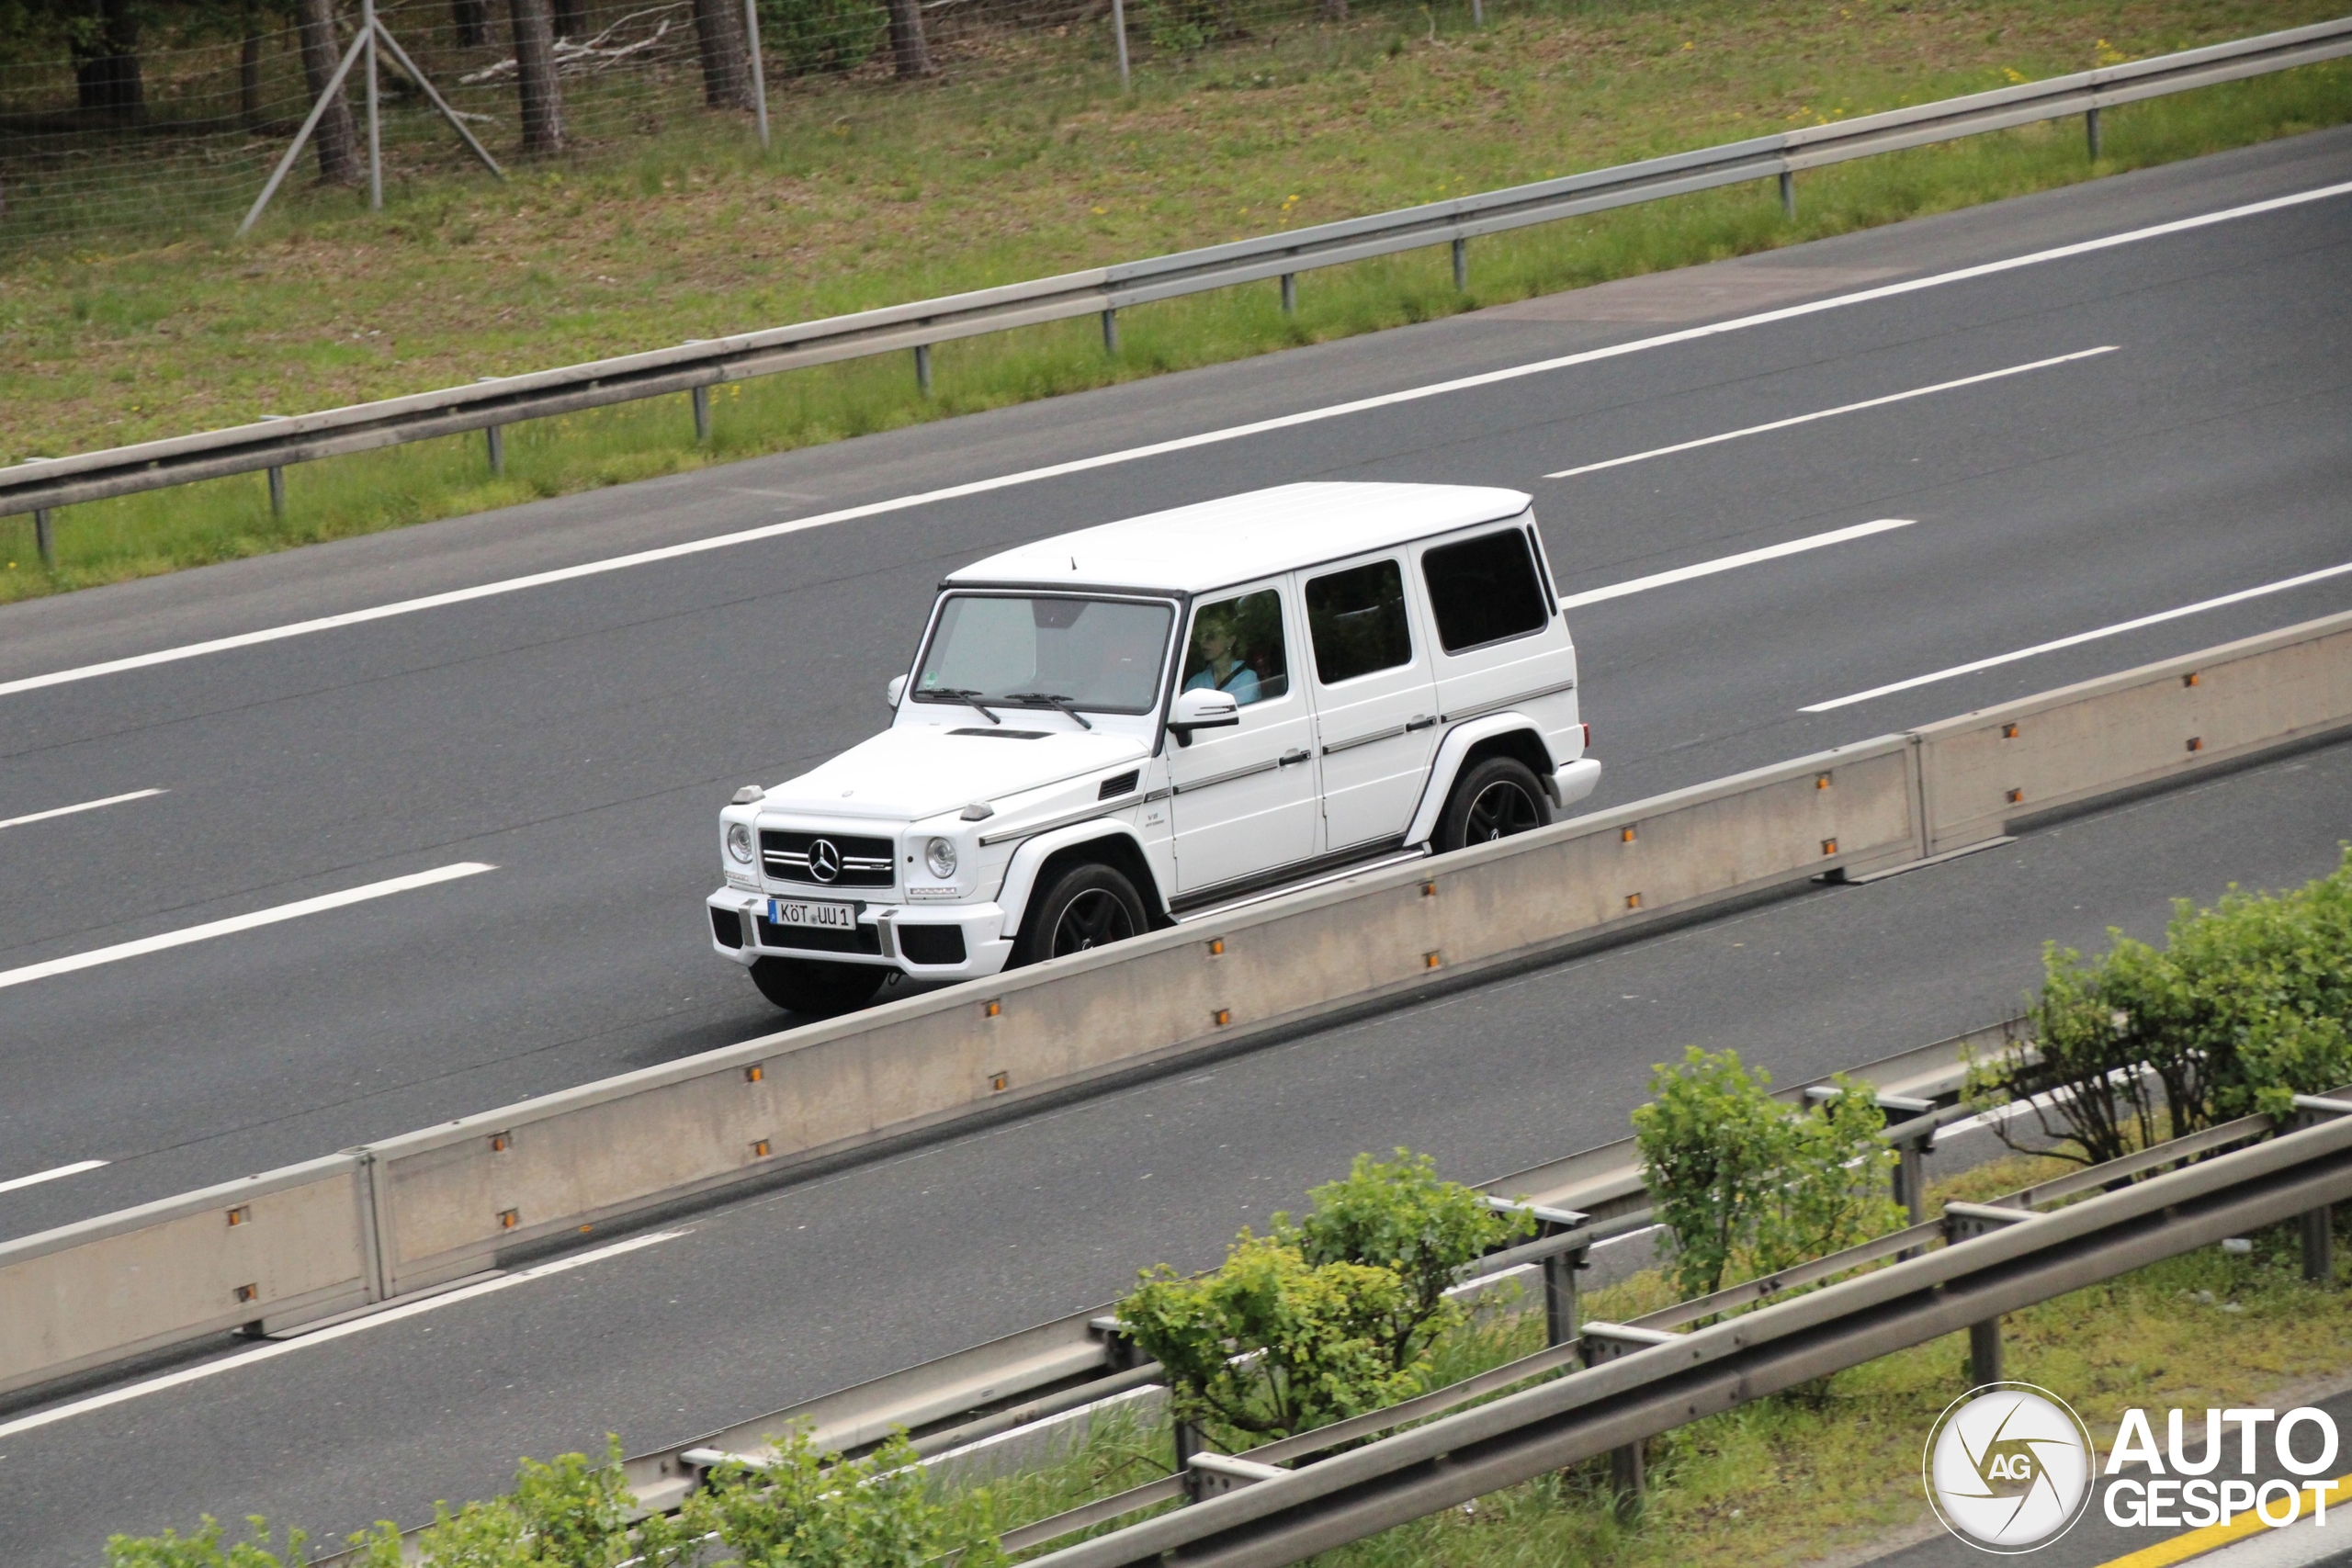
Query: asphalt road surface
<point x="578" y="736"/>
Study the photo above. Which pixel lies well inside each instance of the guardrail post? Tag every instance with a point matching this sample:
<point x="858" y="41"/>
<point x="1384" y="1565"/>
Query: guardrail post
<point x="1606" y="1342"/>
<point x="923" y="368"/>
<point x="1111" y="332"/>
<point x="1290" y="294"/>
<point x="2319" y="1245"/>
<point x="1188" y="1443"/>
<point x="1789" y="195"/>
<point x="1984" y="1353"/>
<point x="1119" y="31"/>
<point x="496" y="436"/>
<point x="701" y="396"/>
<point x="1560" y="1296"/>
<point x="42" y="539"/>
<point x="277" y="493"/>
<point x="1461" y="265"/>
<point x="2090" y="128"/>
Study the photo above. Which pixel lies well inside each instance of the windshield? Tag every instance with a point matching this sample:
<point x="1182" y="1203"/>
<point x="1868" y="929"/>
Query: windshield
<point x="1020" y="651"/>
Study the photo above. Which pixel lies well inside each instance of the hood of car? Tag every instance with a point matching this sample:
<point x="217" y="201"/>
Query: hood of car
<point x="917" y="771"/>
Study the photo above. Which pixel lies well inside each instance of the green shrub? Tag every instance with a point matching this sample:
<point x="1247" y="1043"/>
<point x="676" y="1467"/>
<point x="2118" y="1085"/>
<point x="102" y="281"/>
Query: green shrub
<point x="1751" y="1186"/>
<point x="1329" y="1316"/>
<point x="2248" y="1004"/>
<point x="203" y="1550"/>
<point x="809" y="1510"/>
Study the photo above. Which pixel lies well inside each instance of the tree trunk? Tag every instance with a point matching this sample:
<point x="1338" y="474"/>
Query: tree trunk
<point x="907" y="51"/>
<point x="571" y="18"/>
<point x="105" y="63"/>
<point x="472" y="20"/>
<point x="335" y="137"/>
<point x="726" y="75"/>
<point x="249" y="80"/>
<point x="535" y="82"/>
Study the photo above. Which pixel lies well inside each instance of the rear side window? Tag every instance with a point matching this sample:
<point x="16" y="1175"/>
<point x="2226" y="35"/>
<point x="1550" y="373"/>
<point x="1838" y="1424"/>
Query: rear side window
<point x="1485" y="590"/>
<point x="1356" y="618"/>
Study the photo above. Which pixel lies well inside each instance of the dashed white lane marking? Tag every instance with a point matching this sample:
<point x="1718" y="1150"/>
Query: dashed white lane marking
<point x="1728" y="563"/>
<point x="2242" y="594"/>
<point x="1829" y="413"/>
<point x="1161" y="448"/>
<point x="69" y="810"/>
<point x="211" y="929"/>
<point x="114" y="1396"/>
<point x="37" y="1178"/>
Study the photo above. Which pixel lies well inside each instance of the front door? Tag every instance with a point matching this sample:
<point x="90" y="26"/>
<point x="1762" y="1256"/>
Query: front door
<point x="1375" y="701"/>
<point x="1244" y="801"/>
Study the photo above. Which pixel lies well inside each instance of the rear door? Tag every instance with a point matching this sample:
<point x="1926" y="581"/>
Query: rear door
<point x="1375" y="702"/>
<point x="1244" y="800"/>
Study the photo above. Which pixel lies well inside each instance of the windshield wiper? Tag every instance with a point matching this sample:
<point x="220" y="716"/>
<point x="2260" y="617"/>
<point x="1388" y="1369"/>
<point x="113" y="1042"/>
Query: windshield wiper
<point x="969" y="695"/>
<point x="1051" y="699"/>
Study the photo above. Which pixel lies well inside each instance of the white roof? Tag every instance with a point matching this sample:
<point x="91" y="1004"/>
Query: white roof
<point x="1244" y="537"/>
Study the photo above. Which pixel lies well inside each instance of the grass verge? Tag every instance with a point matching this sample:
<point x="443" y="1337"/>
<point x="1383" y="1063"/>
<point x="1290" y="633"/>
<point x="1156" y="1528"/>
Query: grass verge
<point x="459" y="279"/>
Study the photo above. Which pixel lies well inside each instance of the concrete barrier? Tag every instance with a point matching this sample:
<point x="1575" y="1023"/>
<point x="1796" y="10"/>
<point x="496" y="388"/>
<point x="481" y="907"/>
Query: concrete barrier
<point x="1983" y="770"/>
<point x="420" y="1209"/>
<point x="450" y="1197"/>
<point x="293" y="1242"/>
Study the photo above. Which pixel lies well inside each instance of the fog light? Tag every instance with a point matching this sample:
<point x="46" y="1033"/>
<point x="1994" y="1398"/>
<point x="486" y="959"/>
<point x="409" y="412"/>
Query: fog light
<point x="939" y="858"/>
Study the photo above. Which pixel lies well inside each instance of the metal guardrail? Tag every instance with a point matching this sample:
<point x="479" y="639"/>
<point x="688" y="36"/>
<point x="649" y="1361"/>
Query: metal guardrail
<point x="39" y="484"/>
<point x="1657" y="1373"/>
<point x="1079" y="1359"/>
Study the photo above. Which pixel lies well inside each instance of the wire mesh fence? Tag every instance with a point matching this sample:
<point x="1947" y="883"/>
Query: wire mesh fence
<point x="120" y="117"/>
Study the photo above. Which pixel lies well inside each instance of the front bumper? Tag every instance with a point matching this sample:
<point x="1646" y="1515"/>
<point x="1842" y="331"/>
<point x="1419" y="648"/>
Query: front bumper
<point x="925" y="941"/>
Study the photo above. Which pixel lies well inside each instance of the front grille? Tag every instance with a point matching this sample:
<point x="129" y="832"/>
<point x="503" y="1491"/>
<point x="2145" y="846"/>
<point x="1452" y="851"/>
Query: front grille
<point x="728" y="927"/>
<point x="932" y="944"/>
<point x="865" y="862"/>
<point x="808" y="939"/>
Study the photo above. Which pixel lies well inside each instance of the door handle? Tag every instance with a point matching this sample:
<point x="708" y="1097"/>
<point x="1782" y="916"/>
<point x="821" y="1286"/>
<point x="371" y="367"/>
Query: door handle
<point x="1294" y="755"/>
<point x="1421" y="721"/>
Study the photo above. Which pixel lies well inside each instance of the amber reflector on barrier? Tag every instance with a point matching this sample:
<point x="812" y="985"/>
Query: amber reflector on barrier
<point x="2013" y="796"/>
<point x="999" y="1082"/>
<point x="500" y="1143"/>
<point x="753" y="1075"/>
<point x="1624" y="835"/>
<point x="508" y="1219"/>
<point x="760" y="1149"/>
<point x="1428" y="889"/>
<point x="2008" y="732"/>
<point x="247" y="1292"/>
<point x="2197" y="743"/>
<point x="240" y="1215"/>
<point x="1632" y="900"/>
<point x="1829" y="846"/>
<point x="1821" y="782"/>
<point x="1429" y="961"/>
<point x="1223" y="1016"/>
<point x="2189" y="680"/>
<point x="1217" y="946"/>
<point x="991" y="1009"/>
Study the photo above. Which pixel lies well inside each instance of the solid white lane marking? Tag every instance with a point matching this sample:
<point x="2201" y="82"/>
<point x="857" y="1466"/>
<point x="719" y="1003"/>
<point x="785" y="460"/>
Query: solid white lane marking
<point x="85" y="805"/>
<point x="1161" y="448"/>
<point x="1728" y="563"/>
<point x="211" y="929"/>
<point x="37" y="1178"/>
<point x="326" y="1335"/>
<point x="2241" y="596"/>
<point x="1830" y="413"/>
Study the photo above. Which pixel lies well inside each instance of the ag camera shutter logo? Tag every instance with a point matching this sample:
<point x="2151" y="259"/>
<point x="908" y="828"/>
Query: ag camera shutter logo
<point x="2009" y="1467"/>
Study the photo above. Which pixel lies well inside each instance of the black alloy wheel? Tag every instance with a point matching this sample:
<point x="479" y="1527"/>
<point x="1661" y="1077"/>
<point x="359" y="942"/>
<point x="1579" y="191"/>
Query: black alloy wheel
<point x="1499" y="797"/>
<point x="1086" y="906"/>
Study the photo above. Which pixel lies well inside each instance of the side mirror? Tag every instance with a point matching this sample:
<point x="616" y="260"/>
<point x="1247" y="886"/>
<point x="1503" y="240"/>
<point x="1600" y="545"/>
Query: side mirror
<point x="897" y="689"/>
<point x="1201" y="708"/>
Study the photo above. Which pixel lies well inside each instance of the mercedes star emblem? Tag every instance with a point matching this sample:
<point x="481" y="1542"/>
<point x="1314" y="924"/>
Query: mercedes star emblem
<point x="824" y="860"/>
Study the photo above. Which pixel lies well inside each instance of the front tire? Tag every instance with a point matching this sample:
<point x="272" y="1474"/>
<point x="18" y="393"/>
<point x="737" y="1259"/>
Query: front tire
<point x="1499" y="797"/>
<point x="1087" y="907"/>
<point x="815" y="988"/>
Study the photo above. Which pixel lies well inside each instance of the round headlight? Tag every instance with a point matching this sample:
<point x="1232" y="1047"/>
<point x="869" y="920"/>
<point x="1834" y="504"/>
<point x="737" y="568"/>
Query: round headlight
<point x="939" y="855"/>
<point x="739" y="841"/>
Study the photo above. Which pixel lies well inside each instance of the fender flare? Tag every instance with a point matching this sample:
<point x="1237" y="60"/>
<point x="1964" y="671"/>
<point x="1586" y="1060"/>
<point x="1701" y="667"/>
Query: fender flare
<point x="1021" y="872"/>
<point x="1447" y="764"/>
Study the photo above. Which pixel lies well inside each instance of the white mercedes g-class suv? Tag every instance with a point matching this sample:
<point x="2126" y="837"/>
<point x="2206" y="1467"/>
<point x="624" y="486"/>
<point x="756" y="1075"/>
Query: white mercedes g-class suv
<point x="1154" y="720"/>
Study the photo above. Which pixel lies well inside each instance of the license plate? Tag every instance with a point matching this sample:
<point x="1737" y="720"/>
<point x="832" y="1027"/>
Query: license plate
<point x="812" y="914"/>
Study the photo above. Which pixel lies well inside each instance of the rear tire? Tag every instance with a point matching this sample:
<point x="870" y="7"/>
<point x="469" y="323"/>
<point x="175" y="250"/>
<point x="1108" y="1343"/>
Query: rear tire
<point x="1499" y="797"/>
<point x="1088" y="906"/>
<point x="815" y="988"/>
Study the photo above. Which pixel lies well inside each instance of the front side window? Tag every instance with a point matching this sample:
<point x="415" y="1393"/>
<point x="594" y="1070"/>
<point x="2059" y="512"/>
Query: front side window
<point x="1483" y="589"/>
<point x="1356" y="618"/>
<point x="1238" y="647"/>
<point x="1020" y="651"/>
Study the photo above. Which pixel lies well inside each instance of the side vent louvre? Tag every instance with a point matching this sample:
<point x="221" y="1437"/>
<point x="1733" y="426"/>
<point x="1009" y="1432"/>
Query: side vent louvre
<point x="1124" y="784"/>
